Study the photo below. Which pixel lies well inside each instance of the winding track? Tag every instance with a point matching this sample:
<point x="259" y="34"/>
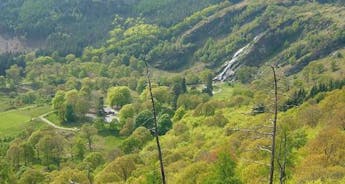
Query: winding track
<point x="42" y="117"/>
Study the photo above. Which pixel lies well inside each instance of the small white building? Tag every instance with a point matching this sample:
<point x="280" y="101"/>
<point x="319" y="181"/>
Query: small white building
<point x="110" y="114"/>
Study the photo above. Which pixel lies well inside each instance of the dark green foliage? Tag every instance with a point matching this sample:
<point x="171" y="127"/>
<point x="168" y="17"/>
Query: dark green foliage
<point x="74" y="24"/>
<point x="145" y="119"/>
<point x="179" y="87"/>
<point x="258" y="109"/>
<point x="338" y="84"/>
<point x="184" y="86"/>
<point x="100" y="106"/>
<point x="209" y="85"/>
<point x="9" y="59"/>
<point x="331" y="1"/>
<point x="164" y="124"/>
<point x="170" y="11"/>
<point x="297" y="99"/>
<point x="69" y="114"/>
<point x="300" y="96"/>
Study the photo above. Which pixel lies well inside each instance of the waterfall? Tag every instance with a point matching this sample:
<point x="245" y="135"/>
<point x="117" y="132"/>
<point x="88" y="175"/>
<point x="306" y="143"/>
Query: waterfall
<point x="229" y="68"/>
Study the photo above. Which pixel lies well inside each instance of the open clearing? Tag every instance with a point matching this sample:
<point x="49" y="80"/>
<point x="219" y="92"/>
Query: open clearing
<point x="13" y="122"/>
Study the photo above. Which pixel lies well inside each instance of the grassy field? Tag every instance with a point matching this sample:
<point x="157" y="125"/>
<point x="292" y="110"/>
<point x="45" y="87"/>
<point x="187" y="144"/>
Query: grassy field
<point x="13" y="122"/>
<point x="222" y="91"/>
<point x="4" y="103"/>
<point x="111" y="142"/>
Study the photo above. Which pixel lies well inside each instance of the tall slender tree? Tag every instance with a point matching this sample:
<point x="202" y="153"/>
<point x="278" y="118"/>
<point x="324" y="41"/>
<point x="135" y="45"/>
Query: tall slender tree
<point x="274" y="129"/>
<point x="160" y="156"/>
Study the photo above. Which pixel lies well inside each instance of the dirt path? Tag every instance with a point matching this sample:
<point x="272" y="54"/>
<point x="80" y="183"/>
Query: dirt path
<point x="42" y="117"/>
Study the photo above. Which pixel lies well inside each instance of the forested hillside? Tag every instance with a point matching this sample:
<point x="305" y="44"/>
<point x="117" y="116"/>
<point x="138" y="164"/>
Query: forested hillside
<point x="88" y="88"/>
<point x="69" y="26"/>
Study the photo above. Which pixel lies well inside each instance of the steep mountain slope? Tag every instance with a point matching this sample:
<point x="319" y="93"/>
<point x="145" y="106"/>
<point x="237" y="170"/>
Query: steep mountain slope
<point x="214" y="34"/>
<point x="76" y="24"/>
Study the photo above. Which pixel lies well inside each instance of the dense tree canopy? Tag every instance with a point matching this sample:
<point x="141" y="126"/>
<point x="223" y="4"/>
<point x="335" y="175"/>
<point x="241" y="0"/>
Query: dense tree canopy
<point x="75" y="105"/>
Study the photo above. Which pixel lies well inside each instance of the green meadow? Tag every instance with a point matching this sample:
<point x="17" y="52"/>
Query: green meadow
<point x="13" y="122"/>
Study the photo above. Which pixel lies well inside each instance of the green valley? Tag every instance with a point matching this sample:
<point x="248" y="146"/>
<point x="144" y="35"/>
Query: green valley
<point x="172" y="91"/>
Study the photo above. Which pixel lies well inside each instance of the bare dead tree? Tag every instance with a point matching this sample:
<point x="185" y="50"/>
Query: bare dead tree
<point x="274" y="129"/>
<point x="269" y="131"/>
<point x="155" y="124"/>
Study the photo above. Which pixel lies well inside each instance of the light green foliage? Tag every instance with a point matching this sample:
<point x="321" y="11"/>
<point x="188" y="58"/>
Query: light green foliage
<point x="207" y="109"/>
<point x="224" y="171"/>
<point x="69" y="174"/>
<point x="94" y="160"/>
<point x="136" y="141"/>
<point x="128" y="127"/>
<point x="118" y="170"/>
<point x="162" y="94"/>
<point x="190" y="101"/>
<point x="126" y="112"/>
<point x="51" y="149"/>
<point x="2" y="82"/>
<point x="194" y="173"/>
<point x="13" y="75"/>
<point x="79" y="149"/>
<point x="32" y="176"/>
<point x="185" y="44"/>
<point x="180" y="112"/>
<point x="119" y="96"/>
<point x="70" y="105"/>
<point x="88" y="132"/>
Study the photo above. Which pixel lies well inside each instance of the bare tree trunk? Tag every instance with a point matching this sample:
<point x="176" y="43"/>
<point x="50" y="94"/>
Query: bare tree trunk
<point x="155" y="125"/>
<point x="274" y="130"/>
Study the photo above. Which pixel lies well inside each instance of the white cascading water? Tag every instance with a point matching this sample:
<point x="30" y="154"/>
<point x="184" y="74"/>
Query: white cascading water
<point x="228" y="70"/>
